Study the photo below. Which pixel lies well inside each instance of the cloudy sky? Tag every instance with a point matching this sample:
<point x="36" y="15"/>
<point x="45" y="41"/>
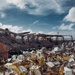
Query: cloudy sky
<point x="41" y="16"/>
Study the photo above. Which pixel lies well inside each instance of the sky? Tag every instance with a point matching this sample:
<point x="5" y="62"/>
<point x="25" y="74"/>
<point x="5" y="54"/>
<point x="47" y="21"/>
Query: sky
<point x="38" y="16"/>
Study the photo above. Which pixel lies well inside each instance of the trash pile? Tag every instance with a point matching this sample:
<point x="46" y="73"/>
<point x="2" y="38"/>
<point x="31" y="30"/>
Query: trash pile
<point x="60" y="60"/>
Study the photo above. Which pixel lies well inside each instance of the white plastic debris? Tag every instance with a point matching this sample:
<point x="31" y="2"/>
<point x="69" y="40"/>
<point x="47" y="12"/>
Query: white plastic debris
<point x="1" y="73"/>
<point x="26" y="53"/>
<point x="34" y="67"/>
<point x="71" y="60"/>
<point x="14" y="57"/>
<point x="20" y="57"/>
<point x="22" y="69"/>
<point x="67" y="71"/>
<point x="43" y="48"/>
<point x="56" y="63"/>
<point x="8" y="72"/>
<point x="54" y="50"/>
<point x="37" y="72"/>
<point x="7" y="65"/>
<point x="9" y="59"/>
<point x="50" y="64"/>
<point x="39" y="54"/>
<point x="72" y="56"/>
<point x="30" y="72"/>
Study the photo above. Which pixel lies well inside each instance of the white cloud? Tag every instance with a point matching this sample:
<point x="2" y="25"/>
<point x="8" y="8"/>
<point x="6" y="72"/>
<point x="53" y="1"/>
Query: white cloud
<point x="66" y="27"/>
<point x="2" y="15"/>
<point x="35" y="7"/>
<point x="55" y="27"/>
<point x="52" y="33"/>
<point x="35" y="22"/>
<point x="71" y="15"/>
<point x="16" y="29"/>
<point x="28" y="30"/>
<point x="40" y="32"/>
<point x="19" y="29"/>
<point x="63" y="33"/>
<point x="41" y="7"/>
<point x="3" y="4"/>
<point x="19" y="3"/>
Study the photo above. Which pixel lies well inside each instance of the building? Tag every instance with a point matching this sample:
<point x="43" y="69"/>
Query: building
<point x="4" y="49"/>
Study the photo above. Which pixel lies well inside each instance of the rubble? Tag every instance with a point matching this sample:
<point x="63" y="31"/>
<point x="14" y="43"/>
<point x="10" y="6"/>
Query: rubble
<point x="43" y="60"/>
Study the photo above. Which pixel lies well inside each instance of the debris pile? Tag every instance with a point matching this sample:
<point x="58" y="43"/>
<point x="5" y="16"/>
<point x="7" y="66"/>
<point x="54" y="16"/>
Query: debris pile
<point x="59" y="60"/>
